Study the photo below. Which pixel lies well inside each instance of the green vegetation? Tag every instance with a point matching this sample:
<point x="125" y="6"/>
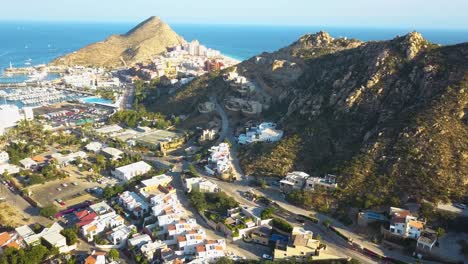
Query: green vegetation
<point x="267" y="213"/>
<point x="48" y="211"/>
<point x="327" y="222"/>
<point x="270" y="159"/>
<point x="145" y="93"/>
<point x="114" y="254"/>
<point x="282" y="225"/>
<point x="107" y="94"/>
<point x="318" y="199"/>
<point x="31" y="255"/>
<point x="219" y="202"/>
<point x="371" y="125"/>
<point x="133" y="118"/>
<point x="111" y="191"/>
<point x="71" y="235"/>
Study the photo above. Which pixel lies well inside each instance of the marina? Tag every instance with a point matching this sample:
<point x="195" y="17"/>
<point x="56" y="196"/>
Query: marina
<point x="37" y="96"/>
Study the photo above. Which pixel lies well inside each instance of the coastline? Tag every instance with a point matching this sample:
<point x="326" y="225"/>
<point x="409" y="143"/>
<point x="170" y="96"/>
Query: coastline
<point x="231" y="59"/>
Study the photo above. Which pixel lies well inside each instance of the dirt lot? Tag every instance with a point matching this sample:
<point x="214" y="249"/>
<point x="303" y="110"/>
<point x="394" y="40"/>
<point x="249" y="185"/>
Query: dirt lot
<point x="45" y="194"/>
<point x="10" y="216"/>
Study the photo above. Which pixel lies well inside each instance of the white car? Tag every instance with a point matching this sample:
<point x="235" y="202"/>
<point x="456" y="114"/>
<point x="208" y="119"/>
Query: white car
<point x="266" y="256"/>
<point x="460" y="206"/>
<point x="64" y="184"/>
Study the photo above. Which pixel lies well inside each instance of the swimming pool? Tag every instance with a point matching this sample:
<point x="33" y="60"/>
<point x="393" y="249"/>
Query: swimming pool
<point x="97" y="100"/>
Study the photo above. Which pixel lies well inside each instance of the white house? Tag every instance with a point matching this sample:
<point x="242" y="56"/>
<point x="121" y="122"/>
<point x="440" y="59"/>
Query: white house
<point x="187" y="243"/>
<point x="94" y="146"/>
<point x="265" y="132"/>
<point x="156" y="181"/>
<point x="133" y="203"/>
<point x="112" y="153"/>
<point x="102" y="217"/>
<point x="139" y="240"/>
<point x="201" y="185"/>
<point x="162" y="202"/>
<point x="211" y="250"/>
<point x="404" y="224"/>
<point x="67" y="159"/>
<point x="294" y="181"/>
<point x="329" y="182"/>
<point x="28" y="163"/>
<point x="9" y="168"/>
<point x="120" y="234"/>
<point x="150" y="248"/>
<point x="50" y="234"/>
<point x="126" y="173"/>
<point x="220" y="158"/>
<point x="427" y="240"/>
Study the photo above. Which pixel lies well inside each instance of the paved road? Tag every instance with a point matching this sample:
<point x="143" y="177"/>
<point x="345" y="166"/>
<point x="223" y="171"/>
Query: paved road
<point x="129" y="94"/>
<point x="224" y="120"/>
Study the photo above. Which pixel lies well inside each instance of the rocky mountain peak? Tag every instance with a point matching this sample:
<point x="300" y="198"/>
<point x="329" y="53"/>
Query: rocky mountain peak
<point x="413" y="43"/>
<point x="321" y="38"/>
<point x="151" y="22"/>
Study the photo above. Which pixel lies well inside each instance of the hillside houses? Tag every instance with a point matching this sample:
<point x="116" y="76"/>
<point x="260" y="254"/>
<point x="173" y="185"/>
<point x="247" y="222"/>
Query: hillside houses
<point x="404" y="224"/>
<point x="219" y="160"/>
<point x="97" y="219"/>
<point x="302" y="181"/>
<point x="200" y="184"/>
<point x="265" y="132"/>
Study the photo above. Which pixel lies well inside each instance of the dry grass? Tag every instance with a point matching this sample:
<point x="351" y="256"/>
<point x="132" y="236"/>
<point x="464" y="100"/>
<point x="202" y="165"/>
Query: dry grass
<point x="10" y="216"/>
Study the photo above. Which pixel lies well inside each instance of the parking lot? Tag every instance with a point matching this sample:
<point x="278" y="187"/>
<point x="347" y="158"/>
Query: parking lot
<point x="71" y="190"/>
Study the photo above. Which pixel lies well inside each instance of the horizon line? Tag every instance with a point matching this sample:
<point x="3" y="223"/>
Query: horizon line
<point x="136" y="22"/>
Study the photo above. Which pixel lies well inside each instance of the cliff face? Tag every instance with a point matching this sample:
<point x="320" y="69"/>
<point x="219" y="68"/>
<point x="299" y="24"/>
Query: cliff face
<point x="149" y="38"/>
<point x="389" y="117"/>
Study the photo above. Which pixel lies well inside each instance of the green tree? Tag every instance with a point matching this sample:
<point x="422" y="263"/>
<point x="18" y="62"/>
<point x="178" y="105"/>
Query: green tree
<point x="267" y="213"/>
<point x="224" y="260"/>
<point x="197" y="199"/>
<point x="114" y="254"/>
<point x="71" y="235"/>
<point x="48" y="211"/>
<point x="327" y="222"/>
<point x="440" y="232"/>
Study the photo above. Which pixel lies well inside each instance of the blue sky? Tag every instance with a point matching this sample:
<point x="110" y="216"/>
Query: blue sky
<point x="360" y="13"/>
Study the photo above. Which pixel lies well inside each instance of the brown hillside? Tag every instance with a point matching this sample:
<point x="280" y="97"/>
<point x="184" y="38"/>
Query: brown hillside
<point x="149" y="38"/>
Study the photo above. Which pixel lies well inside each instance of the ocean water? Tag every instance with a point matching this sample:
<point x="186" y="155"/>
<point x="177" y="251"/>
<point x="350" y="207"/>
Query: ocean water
<point x="41" y="42"/>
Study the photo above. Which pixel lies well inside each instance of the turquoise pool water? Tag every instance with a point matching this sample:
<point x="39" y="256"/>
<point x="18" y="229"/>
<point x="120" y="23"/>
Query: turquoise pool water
<point x="97" y="100"/>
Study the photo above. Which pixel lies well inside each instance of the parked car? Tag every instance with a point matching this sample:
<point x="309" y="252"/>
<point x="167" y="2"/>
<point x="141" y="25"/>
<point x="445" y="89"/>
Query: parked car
<point x="460" y="206"/>
<point x="266" y="256"/>
<point x="64" y="184"/>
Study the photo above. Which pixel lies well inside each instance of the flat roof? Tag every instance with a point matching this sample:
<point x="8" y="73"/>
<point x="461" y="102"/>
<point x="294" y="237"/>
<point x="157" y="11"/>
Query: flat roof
<point x="134" y="167"/>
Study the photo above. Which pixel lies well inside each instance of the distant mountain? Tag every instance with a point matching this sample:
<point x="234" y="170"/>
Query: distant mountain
<point x="149" y="38"/>
<point x="390" y="118"/>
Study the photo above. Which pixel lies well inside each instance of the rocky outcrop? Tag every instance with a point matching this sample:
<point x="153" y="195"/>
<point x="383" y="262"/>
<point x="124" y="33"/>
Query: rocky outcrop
<point x="376" y="113"/>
